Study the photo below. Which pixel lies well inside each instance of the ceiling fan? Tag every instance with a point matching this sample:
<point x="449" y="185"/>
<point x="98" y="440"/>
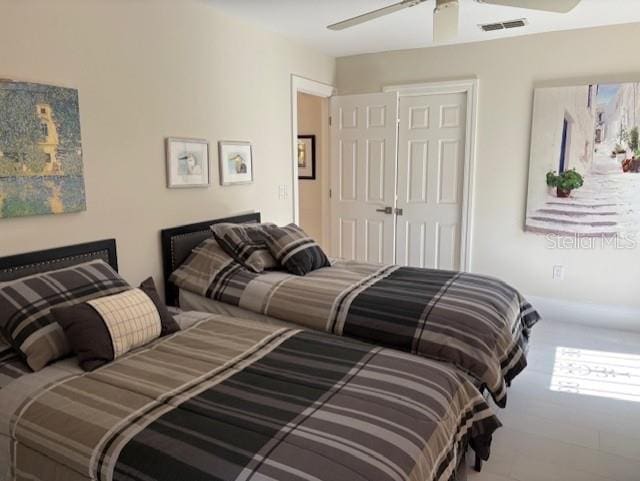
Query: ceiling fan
<point x="446" y="13"/>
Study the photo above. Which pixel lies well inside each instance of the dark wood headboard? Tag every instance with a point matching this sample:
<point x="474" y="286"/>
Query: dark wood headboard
<point x="21" y="265"/>
<point x="178" y="242"/>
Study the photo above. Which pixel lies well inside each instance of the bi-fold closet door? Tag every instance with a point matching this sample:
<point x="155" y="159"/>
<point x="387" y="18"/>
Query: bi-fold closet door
<point x="397" y="170"/>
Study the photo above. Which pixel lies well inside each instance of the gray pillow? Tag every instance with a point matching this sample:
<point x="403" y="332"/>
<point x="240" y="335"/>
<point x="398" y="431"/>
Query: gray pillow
<point x="25" y="307"/>
<point x="298" y="253"/>
<point x="246" y="244"/>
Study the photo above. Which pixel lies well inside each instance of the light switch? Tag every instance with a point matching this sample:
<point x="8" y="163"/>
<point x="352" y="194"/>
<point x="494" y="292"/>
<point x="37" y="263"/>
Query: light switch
<point x="558" y="273"/>
<point x="282" y="192"/>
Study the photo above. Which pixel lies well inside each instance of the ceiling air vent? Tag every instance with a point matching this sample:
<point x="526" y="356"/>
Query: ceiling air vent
<point x="492" y="27"/>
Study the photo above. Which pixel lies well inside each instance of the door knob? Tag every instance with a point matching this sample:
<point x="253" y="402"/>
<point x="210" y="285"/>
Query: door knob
<point x="386" y="210"/>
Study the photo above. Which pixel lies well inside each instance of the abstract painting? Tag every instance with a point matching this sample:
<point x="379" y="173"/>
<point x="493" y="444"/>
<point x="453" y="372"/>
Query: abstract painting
<point x="41" y="168"/>
<point x="584" y="171"/>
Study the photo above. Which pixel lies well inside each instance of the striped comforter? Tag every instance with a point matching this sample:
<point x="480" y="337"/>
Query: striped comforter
<point x="478" y="323"/>
<point x="228" y="399"/>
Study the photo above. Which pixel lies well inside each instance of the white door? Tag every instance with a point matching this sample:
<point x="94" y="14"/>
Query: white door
<point x="431" y="155"/>
<point x="363" y="176"/>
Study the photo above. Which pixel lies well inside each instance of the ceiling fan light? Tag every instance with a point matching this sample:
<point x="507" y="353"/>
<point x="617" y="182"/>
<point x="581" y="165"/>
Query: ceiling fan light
<point x="445" y="21"/>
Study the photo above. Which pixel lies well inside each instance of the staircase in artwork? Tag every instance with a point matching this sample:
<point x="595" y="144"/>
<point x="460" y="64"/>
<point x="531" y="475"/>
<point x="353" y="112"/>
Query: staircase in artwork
<point x="607" y="205"/>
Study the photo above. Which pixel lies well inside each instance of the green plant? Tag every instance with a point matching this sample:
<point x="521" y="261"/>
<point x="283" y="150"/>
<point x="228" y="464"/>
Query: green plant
<point x="634" y="139"/>
<point x="565" y="181"/>
<point x="623" y="135"/>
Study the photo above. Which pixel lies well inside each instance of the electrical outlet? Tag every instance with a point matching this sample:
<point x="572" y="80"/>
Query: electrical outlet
<point x="558" y="273"/>
<point x="282" y="192"/>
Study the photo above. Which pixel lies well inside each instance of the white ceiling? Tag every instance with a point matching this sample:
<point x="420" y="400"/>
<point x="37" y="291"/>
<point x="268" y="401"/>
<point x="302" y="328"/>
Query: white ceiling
<point x="306" y="21"/>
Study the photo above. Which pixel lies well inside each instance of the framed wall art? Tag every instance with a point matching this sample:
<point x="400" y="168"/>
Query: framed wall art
<point x="41" y="170"/>
<point x="236" y="162"/>
<point x="307" y="157"/>
<point x="187" y="163"/>
<point x="584" y="169"/>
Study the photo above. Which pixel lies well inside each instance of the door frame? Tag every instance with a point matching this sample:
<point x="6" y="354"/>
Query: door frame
<point x="469" y="87"/>
<point x="312" y="87"/>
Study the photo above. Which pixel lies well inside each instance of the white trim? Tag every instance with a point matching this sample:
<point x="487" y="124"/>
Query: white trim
<point x="470" y="87"/>
<point x="597" y="315"/>
<point x="311" y="87"/>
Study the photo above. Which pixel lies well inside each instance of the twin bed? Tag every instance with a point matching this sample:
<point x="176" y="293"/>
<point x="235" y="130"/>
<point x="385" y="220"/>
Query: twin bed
<point x="478" y="323"/>
<point x="247" y="394"/>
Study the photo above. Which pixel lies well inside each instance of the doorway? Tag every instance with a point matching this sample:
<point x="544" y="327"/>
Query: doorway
<point x="564" y="148"/>
<point x="310" y="157"/>
<point x="313" y="133"/>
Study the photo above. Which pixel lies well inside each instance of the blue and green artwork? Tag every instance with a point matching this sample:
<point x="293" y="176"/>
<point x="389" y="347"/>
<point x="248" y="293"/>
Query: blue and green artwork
<point x="40" y="150"/>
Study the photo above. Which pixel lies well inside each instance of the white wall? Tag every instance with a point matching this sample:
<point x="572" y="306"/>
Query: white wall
<point x="508" y="71"/>
<point x="146" y="70"/>
<point x="313" y="119"/>
<point x="551" y="107"/>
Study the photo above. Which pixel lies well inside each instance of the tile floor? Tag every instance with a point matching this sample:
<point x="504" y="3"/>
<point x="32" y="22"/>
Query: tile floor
<point x="562" y="435"/>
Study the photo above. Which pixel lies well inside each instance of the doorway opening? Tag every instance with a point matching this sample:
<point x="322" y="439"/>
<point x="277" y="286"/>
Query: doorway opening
<point x="310" y="121"/>
<point x="565" y="146"/>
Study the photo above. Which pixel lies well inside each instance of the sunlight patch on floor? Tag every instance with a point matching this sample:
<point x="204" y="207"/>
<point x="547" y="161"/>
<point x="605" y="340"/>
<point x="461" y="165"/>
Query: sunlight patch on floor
<point x="596" y="373"/>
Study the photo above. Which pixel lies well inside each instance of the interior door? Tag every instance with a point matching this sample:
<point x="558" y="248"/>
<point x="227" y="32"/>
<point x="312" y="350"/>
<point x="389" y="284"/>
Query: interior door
<point x="363" y="176"/>
<point x="431" y="155"/>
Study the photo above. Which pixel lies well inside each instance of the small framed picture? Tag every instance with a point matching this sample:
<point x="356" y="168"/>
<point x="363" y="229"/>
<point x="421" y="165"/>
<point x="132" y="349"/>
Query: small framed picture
<point x="187" y="163"/>
<point x="307" y="157"/>
<point x="236" y="162"/>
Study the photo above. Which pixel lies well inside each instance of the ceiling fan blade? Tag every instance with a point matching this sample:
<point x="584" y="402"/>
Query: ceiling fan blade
<point x="559" y="6"/>
<point x="381" y="12"/>
<point x="445" y="21"/>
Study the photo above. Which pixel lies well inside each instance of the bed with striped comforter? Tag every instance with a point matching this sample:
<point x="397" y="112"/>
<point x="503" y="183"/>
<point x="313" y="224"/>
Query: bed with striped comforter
<point x="478" y="323"/>
<point x="228" y="399"/>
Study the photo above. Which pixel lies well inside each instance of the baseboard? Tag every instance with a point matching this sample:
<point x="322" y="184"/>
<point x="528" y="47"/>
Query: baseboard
<point x="596" y="315"/>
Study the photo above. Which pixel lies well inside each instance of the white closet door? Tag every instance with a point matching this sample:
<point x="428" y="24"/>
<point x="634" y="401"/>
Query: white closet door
<point x="431" y="156"/>
<point x="363" y="176"/>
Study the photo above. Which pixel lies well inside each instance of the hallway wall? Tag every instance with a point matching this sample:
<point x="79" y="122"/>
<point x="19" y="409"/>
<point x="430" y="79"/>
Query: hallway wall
<point x="312" y="120"/>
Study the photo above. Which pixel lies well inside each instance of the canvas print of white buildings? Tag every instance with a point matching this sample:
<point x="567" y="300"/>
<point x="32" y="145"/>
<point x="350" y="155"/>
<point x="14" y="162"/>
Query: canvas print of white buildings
<point x="584" y="173"/>
<point x="41" y="168"/>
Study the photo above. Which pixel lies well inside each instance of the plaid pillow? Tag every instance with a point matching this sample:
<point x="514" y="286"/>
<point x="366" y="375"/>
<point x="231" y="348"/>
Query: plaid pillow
<point x="11" y="364"/>
<point x="104" y="329"/>
<point x="208" y="272"/>
<point x="246" y="244"/>
<point x="294" y="249"/>
<point x="26" y="303"/>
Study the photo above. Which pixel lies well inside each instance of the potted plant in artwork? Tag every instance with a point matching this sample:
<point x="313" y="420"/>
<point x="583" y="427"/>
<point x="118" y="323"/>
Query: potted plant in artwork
<point x="634" y="145"/>
<point x="564" y="182"/>
<point x="620" y="153"/>
<point x="635" y="163"/>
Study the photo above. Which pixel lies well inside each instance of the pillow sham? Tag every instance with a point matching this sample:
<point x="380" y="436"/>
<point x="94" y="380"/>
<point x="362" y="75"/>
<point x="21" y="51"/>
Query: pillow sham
<point x="25" y="307"/>
<point x="246" y="244"/>
<point x="169" y="324"/>
<point x="11" y="364"/>
<point x="298" y="253"/>
<point x="102" y="330"/>
<point x="208" y="270"/>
